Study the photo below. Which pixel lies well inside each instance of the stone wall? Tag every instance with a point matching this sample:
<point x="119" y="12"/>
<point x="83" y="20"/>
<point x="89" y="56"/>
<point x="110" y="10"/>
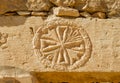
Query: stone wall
<point x="59" y="36"/>
<point x="74" y="8"/>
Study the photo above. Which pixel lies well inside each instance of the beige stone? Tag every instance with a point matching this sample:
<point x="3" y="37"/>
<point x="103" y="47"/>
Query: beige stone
<point x="85" y="14"/>
<point x="39" y="13"/>
<point x="23" y="13"/>
<point x="39" y="5"/>
<point x="12" y="5"/>
<point x="65" y="11"/>
<point x="103" y="35"/>
<point x="64" y="3"/>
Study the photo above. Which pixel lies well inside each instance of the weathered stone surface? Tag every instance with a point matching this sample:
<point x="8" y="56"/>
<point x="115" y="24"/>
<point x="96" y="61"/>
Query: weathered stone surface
<point x="39" y="5"/>
<point x="103" y="35"/>
<point x="113" y="5"/>
<point x="95" y="6"/>
<point x="39" y="13"/>
<point x="64" y="3"/>
<point x="65" y="11"/>
<point x="12" y="5"/>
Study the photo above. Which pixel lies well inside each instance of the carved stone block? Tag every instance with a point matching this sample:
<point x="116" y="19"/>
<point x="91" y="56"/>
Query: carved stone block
<point x="62" y="45"/>
<point x="51" y="37"/>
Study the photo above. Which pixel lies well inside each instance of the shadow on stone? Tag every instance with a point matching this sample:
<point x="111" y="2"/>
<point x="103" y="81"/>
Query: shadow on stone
<point x="10" y="74"/>
<point x="9" y="80"/>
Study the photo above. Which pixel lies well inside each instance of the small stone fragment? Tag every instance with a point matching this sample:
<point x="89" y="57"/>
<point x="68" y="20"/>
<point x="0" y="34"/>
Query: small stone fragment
<point x="39" y="13"/>
<point x="65" y="11"/>
<point x="23" y="13"/>
<point x="100" y="15"/>
<point x="85" y="14"/>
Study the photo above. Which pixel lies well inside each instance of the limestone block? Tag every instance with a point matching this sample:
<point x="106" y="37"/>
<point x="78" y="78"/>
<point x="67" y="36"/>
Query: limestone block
<point x="61" y="44"/>
<point x="62" y="11"/>
<point x="39" y="5"/>
<point x="12" y="5"/>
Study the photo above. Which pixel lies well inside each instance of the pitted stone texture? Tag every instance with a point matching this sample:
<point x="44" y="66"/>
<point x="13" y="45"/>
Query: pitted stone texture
<point x="65" y="11"/>
<point x="39" y="5"/>
<point x="12" y="5"/>
<point x="64" y="3"/>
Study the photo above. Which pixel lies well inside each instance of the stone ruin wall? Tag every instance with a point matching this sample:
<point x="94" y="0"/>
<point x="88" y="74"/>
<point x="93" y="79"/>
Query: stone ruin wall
<point x="60" y="35"/>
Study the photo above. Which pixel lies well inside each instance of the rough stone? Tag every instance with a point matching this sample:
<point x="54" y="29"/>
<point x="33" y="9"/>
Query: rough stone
<point x="99" y="15"/>
<point x="95" y="6"/>
<point x="113" y="13"/>
<point x="39" y="13"/>
<point x="23" y="13"/>
<point x="79" y="4"/>
<point x="12" y="5"/>
<point x="65" y="11"/>
<point x="85" y="14"/>
<point x="64" y="3"/>
<point x="39" y="5"/>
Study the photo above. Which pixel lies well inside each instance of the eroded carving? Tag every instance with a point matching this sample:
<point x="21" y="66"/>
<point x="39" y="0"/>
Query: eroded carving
<point x="62" y="46"/>
<point x="3" y="38"/>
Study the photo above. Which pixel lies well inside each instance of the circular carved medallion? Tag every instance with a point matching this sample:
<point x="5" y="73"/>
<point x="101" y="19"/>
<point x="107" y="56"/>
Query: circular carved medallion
<point x="62" y="45"/>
